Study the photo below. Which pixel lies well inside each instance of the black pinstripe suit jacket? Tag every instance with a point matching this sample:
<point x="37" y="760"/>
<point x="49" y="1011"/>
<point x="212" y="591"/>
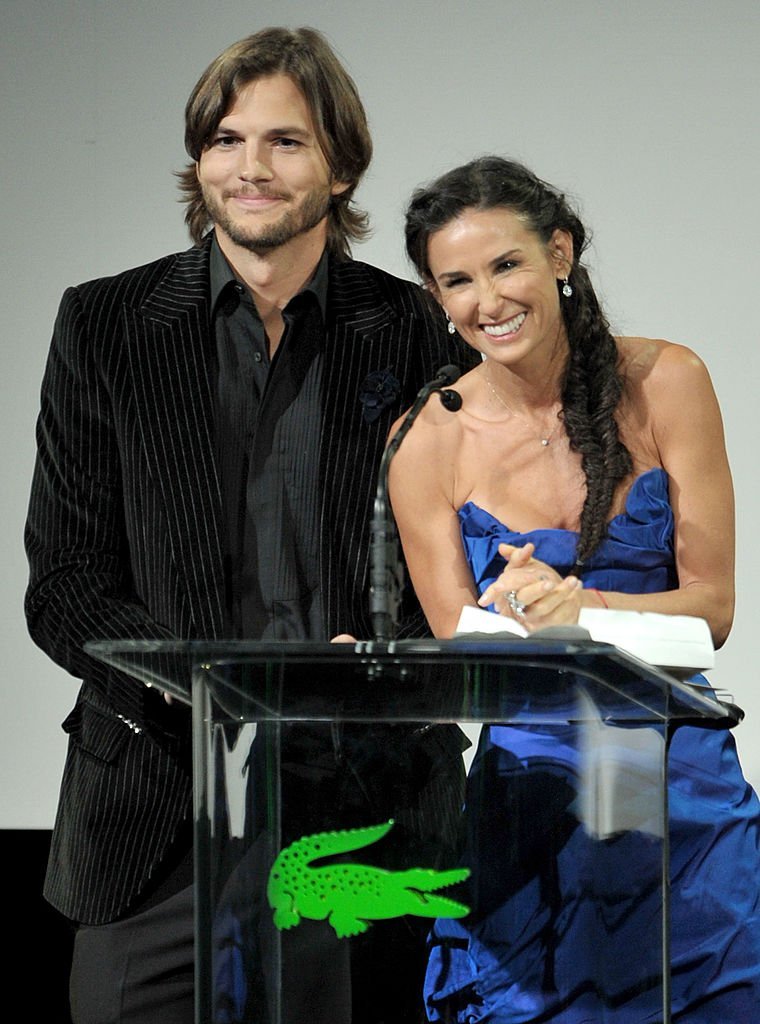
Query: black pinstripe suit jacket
<point x="124" y="531"/>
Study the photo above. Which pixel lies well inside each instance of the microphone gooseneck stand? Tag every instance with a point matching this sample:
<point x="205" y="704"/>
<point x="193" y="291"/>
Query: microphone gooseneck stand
<point x="386" y="571"/>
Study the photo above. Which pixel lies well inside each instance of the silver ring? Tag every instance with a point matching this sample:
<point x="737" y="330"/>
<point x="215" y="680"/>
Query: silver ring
<point x="517" y="607"/>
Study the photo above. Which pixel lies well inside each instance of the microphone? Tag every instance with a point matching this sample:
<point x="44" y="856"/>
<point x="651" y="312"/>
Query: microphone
<point x="450" y="400"/>
<point x="386" y="573"/>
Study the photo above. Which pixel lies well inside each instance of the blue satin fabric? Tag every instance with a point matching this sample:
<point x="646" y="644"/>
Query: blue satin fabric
<point x="492" y="971"/>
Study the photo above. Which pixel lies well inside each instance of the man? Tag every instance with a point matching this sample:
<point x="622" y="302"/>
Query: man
<point x="210" y="431"/>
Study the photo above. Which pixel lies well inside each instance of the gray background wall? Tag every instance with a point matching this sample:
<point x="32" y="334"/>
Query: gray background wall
<point x="647" y="112"/>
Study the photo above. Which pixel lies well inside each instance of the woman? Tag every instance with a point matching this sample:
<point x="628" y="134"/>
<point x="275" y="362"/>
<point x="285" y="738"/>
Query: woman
<point x="582" y="470"/>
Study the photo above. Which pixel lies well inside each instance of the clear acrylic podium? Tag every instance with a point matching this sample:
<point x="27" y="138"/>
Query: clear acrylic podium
<point x="333" y="830"/>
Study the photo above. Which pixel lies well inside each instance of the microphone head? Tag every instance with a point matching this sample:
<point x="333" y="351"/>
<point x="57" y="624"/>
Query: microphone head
<point x="447" y="375"/>
<point x="450" y="400"/>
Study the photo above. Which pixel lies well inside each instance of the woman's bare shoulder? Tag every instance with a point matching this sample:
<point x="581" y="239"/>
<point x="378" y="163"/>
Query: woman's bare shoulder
<point x="437" y="424"/>
<point x="658" y="362"/>
<point x="436" y="429"/>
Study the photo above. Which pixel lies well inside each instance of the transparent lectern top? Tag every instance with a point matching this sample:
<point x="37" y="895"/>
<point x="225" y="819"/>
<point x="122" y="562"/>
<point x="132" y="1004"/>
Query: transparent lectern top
<point x="454" y="680"/>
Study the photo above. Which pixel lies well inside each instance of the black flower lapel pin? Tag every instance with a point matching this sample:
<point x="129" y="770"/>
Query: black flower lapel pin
<point x="379" y="390"/>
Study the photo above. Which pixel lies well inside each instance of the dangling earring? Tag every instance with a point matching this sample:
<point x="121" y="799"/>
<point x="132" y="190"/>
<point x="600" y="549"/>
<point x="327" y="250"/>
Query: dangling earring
<point x="451" y="328"/>
<point x="567" y="289"/>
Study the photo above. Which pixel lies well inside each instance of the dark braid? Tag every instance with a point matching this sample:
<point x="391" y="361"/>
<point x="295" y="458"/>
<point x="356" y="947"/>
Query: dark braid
<point x="592" y="385"/>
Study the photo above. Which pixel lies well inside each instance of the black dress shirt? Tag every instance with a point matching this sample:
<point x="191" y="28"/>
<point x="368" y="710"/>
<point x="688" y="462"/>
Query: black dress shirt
<point x="268" y="455"/>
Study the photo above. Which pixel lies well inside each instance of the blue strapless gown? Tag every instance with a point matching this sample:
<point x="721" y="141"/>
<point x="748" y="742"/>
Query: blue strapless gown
<point x="479" y="973"/>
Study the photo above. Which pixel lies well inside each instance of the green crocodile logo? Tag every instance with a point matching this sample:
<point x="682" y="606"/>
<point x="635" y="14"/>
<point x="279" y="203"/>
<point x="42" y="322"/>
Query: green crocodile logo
<point x="349" y="896"/>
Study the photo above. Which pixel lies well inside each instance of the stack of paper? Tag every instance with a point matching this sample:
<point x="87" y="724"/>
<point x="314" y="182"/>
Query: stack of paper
<point x="681" y="642"/>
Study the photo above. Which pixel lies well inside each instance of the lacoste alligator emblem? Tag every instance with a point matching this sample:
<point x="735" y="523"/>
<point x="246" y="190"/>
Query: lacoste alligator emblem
<point x="350" y="896"/>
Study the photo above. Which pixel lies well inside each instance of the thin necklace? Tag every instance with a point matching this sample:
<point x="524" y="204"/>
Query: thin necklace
<point x="545" y="441"/>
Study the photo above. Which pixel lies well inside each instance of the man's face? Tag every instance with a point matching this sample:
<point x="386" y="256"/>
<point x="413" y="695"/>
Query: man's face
<point x="264" y="178"/>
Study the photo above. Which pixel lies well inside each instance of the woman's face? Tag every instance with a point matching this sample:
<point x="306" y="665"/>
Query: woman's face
<point x="497" y="281"/>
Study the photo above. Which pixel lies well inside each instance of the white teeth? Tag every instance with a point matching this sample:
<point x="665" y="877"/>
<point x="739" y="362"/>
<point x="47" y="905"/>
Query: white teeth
<point x="497" y="330"/>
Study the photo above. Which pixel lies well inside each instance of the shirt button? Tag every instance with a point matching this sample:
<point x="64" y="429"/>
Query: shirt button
<point x="257" y="357"/>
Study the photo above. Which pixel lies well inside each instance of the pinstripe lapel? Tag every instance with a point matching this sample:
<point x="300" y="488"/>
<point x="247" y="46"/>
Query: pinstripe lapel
<point x="170" y="357"/>
<point x="365" y="334"/>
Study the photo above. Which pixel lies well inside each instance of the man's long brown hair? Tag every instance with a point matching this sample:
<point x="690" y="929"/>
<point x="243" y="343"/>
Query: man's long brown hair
<point x="340" y="122"/>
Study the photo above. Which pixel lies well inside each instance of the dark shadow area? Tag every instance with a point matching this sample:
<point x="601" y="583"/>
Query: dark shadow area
<point x="37" y="954"/>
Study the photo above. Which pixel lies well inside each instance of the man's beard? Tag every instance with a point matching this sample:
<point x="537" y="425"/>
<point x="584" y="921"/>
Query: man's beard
<point x="294" y="222"/>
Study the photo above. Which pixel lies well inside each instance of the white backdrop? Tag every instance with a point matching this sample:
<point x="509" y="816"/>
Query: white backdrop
<point x="646" y="112"/>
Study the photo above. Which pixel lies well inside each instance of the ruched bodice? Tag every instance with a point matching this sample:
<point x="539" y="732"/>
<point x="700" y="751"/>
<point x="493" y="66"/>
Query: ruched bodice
<point x="636" y="557"/>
